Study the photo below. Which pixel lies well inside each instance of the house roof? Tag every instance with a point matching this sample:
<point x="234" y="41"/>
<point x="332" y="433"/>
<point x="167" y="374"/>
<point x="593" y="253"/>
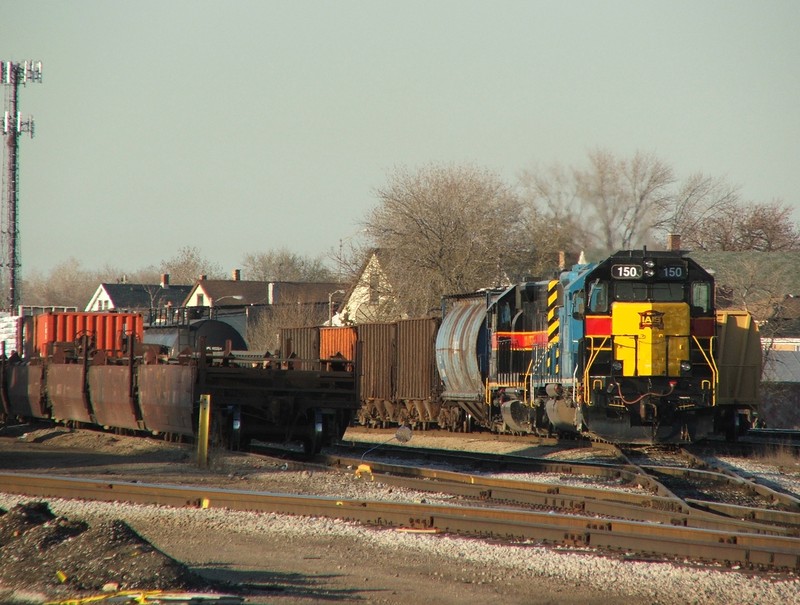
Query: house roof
<point x="261" y="293"/>
<point x="251" y="292"/>
<point x="144" y="296"/>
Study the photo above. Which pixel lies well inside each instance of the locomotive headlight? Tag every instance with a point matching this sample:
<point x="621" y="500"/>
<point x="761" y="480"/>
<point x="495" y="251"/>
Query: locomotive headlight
<point x="649" y="272"/>
<point x="649" y="263"/>
<point x="686" y="367"/>
<point x="616" y="366"/>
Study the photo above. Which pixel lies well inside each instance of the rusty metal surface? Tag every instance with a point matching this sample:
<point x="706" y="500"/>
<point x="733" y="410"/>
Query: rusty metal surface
<point x="768" y="551"/>
<point x="341" y="341"/>
<point x="109" y="389"/>
<point x="166" y="397"/>
<point x="66" y="392"/>
<point x="106" y="330"/>
<point x="378" y="345"/>
<point x="25" y="390"/>
<point x="417" y="376"/>
<point x="303" y="344"/>
<point x="599" y="501"/>
<point x="460" y="350"/>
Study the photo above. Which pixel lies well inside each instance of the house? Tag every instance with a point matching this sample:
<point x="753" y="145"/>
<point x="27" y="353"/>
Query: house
<point x="140" y="298"/>
<point x="237" y="292"/>
<point x="371" y="298"/>
<point x="259" y="309"/>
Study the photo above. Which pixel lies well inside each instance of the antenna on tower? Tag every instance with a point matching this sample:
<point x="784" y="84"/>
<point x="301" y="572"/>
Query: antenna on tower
<point x="12" y="75"/>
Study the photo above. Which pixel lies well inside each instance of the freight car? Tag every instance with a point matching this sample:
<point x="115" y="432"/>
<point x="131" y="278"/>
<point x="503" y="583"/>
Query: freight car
<point x="396" y="371"/>
<point x="98" y="369"/>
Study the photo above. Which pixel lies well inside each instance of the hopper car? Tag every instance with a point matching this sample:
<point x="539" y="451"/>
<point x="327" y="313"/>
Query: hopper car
<point x="107" y="370"/>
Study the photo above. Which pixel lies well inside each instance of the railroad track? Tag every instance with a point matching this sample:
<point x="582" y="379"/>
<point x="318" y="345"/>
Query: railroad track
<point x="756" y="550"/>
<point x="651" y="520"/>
<point x="653" y="523"/>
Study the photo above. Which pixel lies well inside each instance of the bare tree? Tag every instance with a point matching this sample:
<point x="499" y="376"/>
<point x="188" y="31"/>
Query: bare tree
<point x="700" y="212"/>
<point x="68" y="284"/>
<point x="767" y="227"/>
<point x="187" y="266"/>
<point x="444" y="230"/>
<point x="283" y="265"/>
<point x="624" y="199"/>
<point x="263" y="334"/>
<point x="552" y="222"/>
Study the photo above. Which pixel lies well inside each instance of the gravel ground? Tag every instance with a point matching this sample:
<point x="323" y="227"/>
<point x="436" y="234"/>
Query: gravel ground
<point x="295" y="560"/>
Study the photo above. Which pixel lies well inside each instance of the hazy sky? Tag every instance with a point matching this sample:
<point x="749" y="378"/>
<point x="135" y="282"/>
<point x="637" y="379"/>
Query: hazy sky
<point x="241" y="126"/>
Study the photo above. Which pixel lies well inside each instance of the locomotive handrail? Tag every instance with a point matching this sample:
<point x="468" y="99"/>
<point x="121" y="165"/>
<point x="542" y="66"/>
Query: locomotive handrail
<point x="711" y="364"/>
<point x="593" y="354"/>
<point x="536" y="364"/>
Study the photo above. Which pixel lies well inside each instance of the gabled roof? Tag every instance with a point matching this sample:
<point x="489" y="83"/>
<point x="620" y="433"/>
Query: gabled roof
<point x="144" y="296"/>
<point x="251" y="292"/>
<point x="265" y="293"/>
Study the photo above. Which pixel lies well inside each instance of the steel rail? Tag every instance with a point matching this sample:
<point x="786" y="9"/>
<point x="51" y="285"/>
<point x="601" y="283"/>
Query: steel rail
<point x="754" y="550"/>
<point x="585" y="500"/>
<point x="506" y="463"/>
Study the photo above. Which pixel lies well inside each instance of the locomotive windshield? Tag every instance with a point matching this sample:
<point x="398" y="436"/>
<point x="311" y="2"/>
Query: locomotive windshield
<point x="630" y="291"/>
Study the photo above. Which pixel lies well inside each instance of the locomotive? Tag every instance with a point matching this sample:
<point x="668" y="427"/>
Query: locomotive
<point x="627" y="350"/>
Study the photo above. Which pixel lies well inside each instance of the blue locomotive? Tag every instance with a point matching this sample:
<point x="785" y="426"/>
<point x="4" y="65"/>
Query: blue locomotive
<point x="630" y="350"/>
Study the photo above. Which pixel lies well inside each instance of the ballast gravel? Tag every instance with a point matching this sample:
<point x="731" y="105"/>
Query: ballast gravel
<point x="298" y="560"/>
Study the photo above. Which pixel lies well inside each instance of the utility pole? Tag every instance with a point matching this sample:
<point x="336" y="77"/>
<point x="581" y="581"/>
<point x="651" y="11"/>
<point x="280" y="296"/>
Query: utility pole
<point x="12" y="75"/>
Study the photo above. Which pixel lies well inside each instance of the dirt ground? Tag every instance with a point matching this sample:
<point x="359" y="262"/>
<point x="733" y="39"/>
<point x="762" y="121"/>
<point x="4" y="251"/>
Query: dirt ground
<point x="49" y="557"/>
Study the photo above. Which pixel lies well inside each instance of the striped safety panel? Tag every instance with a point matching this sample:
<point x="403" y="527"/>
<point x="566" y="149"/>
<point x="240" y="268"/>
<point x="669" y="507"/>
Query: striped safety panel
<point x="553" y="326"/>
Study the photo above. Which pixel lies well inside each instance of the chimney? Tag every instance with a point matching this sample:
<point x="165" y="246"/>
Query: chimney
<point x="202" y="277"/>
<point x="562" y="260"/>
<point x="165" y="280"/>
<point x="236" y="275"/>
<point x="673" y="242"/>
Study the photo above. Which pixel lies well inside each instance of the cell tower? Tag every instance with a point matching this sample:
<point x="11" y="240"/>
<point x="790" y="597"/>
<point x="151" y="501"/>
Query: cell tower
<point x="12" y="75"/>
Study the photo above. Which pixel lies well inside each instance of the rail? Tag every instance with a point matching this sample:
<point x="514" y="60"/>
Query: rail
<point x="731" y="547"/>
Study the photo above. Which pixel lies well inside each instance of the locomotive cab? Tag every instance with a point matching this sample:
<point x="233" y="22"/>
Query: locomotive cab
<point x="642" y="366"/>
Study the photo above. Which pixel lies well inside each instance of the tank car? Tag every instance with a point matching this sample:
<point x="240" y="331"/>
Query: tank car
<point x="627" y="350"/>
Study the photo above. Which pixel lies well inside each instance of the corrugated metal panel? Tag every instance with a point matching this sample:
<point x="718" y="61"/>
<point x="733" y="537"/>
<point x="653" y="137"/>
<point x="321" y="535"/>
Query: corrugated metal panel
<point x="303" y="343"/>
<point x="65" y="391"/>
<point x="109" y="388"/>
<point x="378" y="342"/>
<point x="166" y="397"/>
<point x="457" y="349"/>
<point x="417" y="376"/>
<point x="342" y="341"/>
<point x="25" y="391"/>
<point x="105" y="329"/>
<point x="738" y="357"/>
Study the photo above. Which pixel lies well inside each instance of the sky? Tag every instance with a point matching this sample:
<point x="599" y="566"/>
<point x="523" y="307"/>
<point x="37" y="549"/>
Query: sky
<point x="243" y="126"/>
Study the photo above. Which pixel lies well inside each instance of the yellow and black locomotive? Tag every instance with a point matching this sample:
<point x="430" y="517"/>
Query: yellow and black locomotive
<point x="630" y="350"/>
